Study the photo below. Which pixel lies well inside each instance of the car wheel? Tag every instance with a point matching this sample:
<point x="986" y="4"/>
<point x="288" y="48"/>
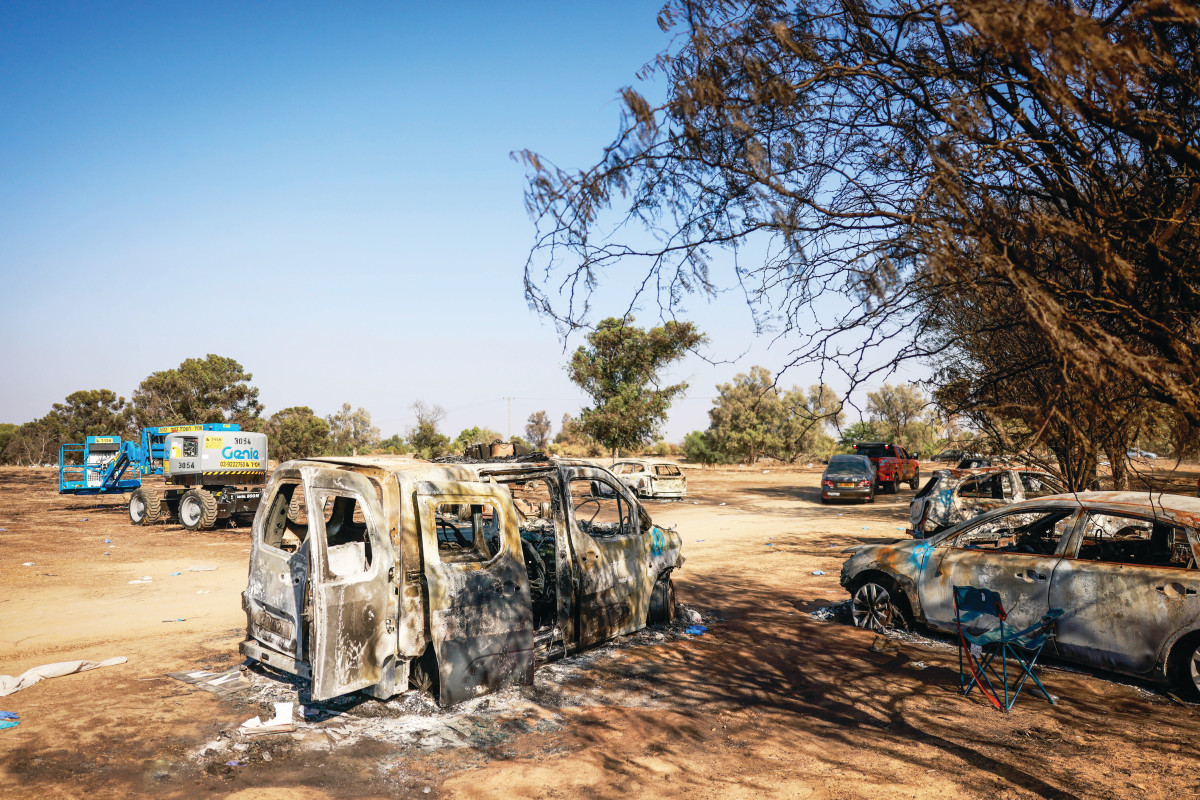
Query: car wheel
<point x="916" y="480"/>
<point x="874" y="606"/>
<point x="871" y="496"/>
<point x="824" y="501"/>
<point x="1187" y="669"/>
<point x="422" y="674"/>
<point x="662" y="603"/>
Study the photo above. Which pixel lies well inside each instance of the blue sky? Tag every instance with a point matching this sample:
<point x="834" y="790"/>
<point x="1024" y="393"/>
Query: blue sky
<point x="321" y="191"/>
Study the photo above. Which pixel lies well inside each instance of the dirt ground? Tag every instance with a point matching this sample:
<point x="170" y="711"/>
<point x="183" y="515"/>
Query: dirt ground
<point x="770" y="701"/>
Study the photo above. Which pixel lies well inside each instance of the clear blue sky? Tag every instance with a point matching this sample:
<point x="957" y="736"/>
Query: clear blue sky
<point x="321" y="191"/>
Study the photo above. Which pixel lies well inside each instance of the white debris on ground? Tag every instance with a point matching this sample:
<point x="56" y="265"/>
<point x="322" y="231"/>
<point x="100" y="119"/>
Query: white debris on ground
<point x="414" y="719"/>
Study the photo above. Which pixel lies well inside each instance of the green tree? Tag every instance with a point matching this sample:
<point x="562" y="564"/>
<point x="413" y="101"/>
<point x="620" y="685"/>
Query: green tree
<point x="621" y="368"/>
<point x="35" y="442"/>
<point x="699" y="448"/>
<point x="537" y="430"/>
<point x="93" y="412"/>
<point x="297" y="432"/>
<point x="7" y="430"/>
<point x="573" y="440"/>
<point x="393" y="445"/>
<point x="747" y="416"/>
<point x="350" y="430"/>
<point x="212" y="389"/>
<point x="476" y="434"/>
<point x="424" y="436"/>
<point x="864" y="431"/>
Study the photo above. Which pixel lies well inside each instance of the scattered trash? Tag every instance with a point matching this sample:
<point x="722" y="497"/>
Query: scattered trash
<point x="720" y="504"/>
<point x="143" y="579"/>
<point x="918" y="665"/>
<point x="85" y="519"/>
<point x="770" y="544"/>
<point x="9" y="684"/>
<point x="266" y="756"/>
<point x="201" y="568"/>
<point x="866" y="527"/>
<point x="106" y="554"/>
<point x="9" y="715"/>
<point x="818" y="572"/>
<point x="766" y="472"/>
<point x="882" y="645"/>
<point x="695" y="630"/>
<point x="9" y="723"/>
<point x="692" y="616"/>
<point x="176" y="573"/>
<point x="3" y="529"/>
<point x="27" y="564"/>
<point x="235" y="763"/>
<point x="841" y="515"/>
<point x="695" y="502"/>
<point x="833" y="545"/>
<point x="108" y="541"/>
<point x="900" y="528"/>
<point x="219" y="683"/>
<point x="698" y="541"/>
<point x="177" y="619"/>
<point x="280" y="723"/>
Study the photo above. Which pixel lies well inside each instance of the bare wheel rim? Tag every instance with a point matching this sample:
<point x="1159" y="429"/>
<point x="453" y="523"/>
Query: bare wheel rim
<point x="137" y="507"/>
<point x="872" y="607"/>
<point x="190" y="511"/>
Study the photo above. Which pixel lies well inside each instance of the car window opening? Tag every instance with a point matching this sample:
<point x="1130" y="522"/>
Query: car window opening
<point x="1030" y="533"/>
<point x="1131" y="540"/>
<point x="467" y="532"/>
<point x="348" y="542"/>
<point x="286" y="525"/>
<point x="600" y="510"/>
<point x="536" y="523"/>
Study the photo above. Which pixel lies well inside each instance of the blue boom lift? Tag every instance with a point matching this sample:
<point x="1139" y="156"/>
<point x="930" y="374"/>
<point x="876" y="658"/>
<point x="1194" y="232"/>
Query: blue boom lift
<point x="201" y="460"/>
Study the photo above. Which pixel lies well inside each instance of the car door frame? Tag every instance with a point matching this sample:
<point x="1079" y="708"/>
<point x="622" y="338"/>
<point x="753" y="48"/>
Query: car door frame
<point x="350" y="638"/>
<point x="480" y="612"/>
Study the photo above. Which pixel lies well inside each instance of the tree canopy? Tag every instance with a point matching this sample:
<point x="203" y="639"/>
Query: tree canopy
<point x="890" y="158"/>
<point x="351" y="431"/>
<point x="297" y="432"/>
<point x="621" y="368"/>
<point x="212" y="389"/>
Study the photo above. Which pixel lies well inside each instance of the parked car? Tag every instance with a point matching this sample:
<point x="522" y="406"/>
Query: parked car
<point x="848" y="478"/>
<point x="374" y="573"/>
<point x="973" y="462"/>
<point x="1144" y="454"/>
<point x="1121" y="565"/>
<point x="949" y="456"/>
<point x="952" y="495"/>
<point x="650" y="478"/>
<point x="893" y="465"/>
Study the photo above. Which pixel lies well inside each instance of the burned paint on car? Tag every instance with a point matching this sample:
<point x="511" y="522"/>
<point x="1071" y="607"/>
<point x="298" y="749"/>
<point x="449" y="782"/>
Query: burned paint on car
<point x="366" y="571"/>
<point x="1122" y="566"/>
<point x="953" y="495"/>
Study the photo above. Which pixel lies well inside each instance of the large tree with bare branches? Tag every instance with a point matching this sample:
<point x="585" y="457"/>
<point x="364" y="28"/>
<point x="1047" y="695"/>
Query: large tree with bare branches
<point x="853" y="165"/>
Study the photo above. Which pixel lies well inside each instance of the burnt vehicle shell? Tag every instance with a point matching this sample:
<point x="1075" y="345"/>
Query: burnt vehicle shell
<point x="1121" y="565"/>
<point x="649" y="478"/>
<point x="951" y="496"/>
<point x="366" y="572"/>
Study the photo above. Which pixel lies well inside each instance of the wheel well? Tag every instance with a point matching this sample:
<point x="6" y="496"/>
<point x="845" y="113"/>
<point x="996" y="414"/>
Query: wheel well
<point x="1178" y="652"/>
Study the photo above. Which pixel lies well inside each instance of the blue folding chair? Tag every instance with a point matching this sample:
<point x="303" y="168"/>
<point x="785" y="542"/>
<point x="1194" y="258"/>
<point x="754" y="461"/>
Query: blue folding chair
<point x="973" y="609"/>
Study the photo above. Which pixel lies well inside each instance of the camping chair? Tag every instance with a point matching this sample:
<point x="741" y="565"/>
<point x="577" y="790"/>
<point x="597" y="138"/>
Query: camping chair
<point x="973" y="607"/>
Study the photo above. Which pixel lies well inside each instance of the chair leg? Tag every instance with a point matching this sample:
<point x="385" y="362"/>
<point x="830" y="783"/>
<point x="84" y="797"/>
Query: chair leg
<point x="977" y="671"/>
<point x="1027" y="667"/>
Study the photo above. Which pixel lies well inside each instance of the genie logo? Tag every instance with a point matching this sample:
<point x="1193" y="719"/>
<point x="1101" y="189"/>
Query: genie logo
<point x="246" y="455"/>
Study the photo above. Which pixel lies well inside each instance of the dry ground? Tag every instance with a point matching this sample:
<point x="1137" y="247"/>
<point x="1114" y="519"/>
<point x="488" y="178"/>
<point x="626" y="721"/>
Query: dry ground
<point x="769" y="702"/>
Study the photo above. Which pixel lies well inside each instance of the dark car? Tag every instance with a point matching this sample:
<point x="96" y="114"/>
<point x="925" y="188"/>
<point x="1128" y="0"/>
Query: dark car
<point x="848" y="477"/>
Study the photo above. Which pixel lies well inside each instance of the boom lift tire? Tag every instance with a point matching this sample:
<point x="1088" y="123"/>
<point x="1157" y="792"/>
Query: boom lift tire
<point x="144" y="506"/>
<point x="197" y="509"/>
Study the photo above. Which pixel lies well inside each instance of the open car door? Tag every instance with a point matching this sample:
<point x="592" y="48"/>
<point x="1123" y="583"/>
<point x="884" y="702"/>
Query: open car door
<point x="480" y="614"/>
<point x="351" y="557"/>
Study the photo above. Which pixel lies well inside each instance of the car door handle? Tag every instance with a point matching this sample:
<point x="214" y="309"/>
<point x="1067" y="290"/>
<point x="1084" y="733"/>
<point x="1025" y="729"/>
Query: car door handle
<point x="1174" y="590"/>
<point x="1031" y="575"/>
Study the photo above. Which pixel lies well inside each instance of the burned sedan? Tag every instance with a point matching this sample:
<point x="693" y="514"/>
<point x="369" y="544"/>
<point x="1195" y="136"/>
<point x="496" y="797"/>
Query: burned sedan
<point x="953" y="495"/>
<point x="377" y="573"/>
<point x="1121" y="565"/>
<point x="848" y="477"/>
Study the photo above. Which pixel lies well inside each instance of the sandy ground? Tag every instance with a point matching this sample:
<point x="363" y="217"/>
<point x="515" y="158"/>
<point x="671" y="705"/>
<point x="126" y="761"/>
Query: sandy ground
<point x="769" y="702"/>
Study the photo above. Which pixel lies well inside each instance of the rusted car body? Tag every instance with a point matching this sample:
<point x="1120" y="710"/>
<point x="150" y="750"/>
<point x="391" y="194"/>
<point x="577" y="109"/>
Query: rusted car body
<point x="650" y="478"/>
<point x="953" y="495"/>
<point x="366" y="572"/>
<point x="1121" y="565"/>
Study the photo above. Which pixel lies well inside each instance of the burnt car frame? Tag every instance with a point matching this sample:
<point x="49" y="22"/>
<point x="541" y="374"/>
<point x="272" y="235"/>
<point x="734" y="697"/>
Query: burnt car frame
<point x="650" y="478"/>
<point x="372" y="573"/>
<point x="953" y="495"/>
<point x="1121" y="565"/>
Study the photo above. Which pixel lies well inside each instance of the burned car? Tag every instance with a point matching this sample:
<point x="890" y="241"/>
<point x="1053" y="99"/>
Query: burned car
<point x="374" y="573"/>
<point x="953" y="495"/>
<point x="649" y="478"/>
<point x="1121" y="566"/>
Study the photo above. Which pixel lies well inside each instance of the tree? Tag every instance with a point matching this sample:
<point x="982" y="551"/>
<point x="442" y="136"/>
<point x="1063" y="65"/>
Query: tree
<point x="212" y="389"/>
<point x="699" y="448"/>
<point x="7" y="430"/>
<point x="897" y="157"/>
<point x="424" y="436"/>
<point x="393" y="445"/>
<point x="93" y="412"/>
<point x="573" y="440"/>
<point x="537" y="430"/>
<point x="35" y="442"/>
<point x="351" y="431"/>
<point x="474" y="435"/>
<point x="297" y="432"/>
<point x="621" y="368"/>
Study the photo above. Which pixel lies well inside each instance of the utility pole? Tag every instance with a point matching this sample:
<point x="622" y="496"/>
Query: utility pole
<point x="509" y="399"/>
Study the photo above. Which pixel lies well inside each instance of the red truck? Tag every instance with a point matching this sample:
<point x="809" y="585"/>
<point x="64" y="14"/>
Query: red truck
<point x="893" y="465"/>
